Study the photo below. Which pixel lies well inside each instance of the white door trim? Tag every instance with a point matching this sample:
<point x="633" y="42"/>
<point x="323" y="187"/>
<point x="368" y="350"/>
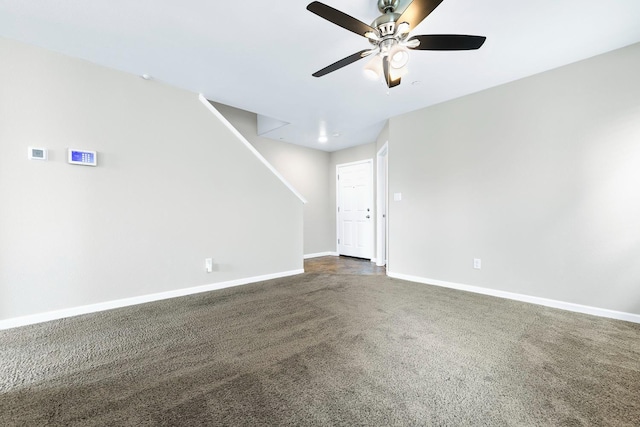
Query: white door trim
<point x="338" y="166"/>
<point x="382" y="206"/>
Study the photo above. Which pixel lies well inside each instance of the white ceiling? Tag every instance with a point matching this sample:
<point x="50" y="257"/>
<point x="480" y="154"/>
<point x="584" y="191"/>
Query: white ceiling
<point x="259" y="55"/>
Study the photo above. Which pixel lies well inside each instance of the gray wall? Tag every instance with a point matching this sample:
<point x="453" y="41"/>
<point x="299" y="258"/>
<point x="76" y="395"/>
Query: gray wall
<point x="305" y="168"/>
<point x="539" y="178"/>
<point x="172" y="187"/>
<point x="311" y="172"/>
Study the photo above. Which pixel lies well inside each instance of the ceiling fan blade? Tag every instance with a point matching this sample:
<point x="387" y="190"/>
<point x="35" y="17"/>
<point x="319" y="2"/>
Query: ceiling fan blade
<point x="342" y="63"/>
<point x="386" y="69"/>
<point x="415" y="13"/>
<point x="340" y="18"/>
<point x="447" y="42"/>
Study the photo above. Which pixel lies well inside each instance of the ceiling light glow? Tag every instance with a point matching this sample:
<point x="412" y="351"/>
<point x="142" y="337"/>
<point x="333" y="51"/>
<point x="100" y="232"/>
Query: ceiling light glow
<point x="398" y="56"/>
<point x="373" y="69"/>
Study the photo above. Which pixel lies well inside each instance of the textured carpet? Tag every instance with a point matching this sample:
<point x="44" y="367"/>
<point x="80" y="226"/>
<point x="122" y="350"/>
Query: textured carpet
<point x="324" y="350"/>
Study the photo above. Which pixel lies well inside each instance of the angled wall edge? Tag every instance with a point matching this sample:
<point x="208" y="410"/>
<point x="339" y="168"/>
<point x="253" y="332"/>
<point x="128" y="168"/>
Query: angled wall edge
<point x="251" y="148"/>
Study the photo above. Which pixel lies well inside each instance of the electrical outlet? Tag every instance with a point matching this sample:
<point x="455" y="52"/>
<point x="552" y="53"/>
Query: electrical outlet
<point x="208" y="265"/>
<point x="477" y="263"/>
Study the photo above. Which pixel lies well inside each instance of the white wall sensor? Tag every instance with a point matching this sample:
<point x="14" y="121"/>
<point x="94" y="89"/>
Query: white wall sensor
<point x="37" y="153"/>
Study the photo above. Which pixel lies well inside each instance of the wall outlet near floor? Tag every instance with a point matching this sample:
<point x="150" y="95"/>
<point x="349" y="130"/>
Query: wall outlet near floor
<point x="208" y="265"/>
<point x="477" y="263"/>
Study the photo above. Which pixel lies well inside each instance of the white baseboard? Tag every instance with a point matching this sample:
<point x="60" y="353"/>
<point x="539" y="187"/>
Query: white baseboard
<point x="125" y="302"/>
<point x="319" y="254"/>
<point x="595" y="311"/>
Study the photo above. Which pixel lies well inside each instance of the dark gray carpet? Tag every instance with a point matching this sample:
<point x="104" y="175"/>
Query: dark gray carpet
<point x="324" y="350"/>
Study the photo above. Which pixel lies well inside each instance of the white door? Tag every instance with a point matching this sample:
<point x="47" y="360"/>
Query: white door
<point x="355" y="209"/>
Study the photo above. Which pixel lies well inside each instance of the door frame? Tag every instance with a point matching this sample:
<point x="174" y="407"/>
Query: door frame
<point x="382" y="205"/>
<point x="373" y="208"/>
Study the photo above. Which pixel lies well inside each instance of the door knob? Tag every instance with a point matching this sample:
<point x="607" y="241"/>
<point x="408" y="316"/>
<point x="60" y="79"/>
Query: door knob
<point x="368" y="216"/>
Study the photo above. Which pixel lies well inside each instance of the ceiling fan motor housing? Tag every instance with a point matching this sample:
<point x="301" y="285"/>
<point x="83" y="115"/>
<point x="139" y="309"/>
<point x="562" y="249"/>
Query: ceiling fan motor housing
<point x="386" y="24"/>
<point x="386" y="6"/>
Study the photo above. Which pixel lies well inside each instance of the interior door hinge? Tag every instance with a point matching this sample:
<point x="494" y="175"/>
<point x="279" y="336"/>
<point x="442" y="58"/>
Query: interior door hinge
<point x="338" y="208"/>
<point x="338" y="241"/>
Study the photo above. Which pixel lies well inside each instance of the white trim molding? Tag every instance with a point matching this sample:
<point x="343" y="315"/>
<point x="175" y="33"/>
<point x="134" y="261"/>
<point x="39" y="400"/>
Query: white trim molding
<point x="251" y="148"/>
<point x="569" y="306"/>
<point x="320" y="254"/>
<point x="382" y="206"/>
<point x="125" y="302"/>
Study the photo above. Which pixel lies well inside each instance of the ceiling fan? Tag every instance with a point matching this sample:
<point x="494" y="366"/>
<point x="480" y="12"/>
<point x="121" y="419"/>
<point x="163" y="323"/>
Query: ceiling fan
<point x="389" y="35"/>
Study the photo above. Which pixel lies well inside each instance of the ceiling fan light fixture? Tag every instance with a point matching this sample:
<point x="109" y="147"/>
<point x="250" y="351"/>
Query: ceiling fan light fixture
<point x="398" y="56"/>
<point x="372" y="36"/>
<point x="373" y="69"/>
<point x="412" y="44"/>
<point x="389" y="35"/>
<point x="402" y="29"/>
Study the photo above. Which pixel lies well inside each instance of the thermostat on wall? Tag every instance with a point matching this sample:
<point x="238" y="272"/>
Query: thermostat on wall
<point x="83" y="157"/>
<point x="37" y="153"/>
